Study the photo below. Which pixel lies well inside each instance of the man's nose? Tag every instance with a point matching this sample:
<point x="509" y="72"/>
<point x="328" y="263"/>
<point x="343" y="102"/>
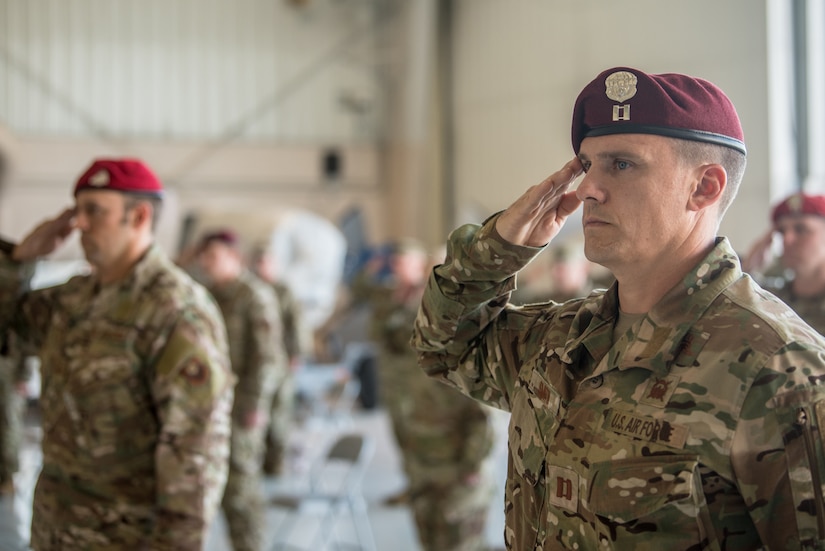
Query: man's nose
<point x="81" y="220"/>
<point x="589" y="188"/>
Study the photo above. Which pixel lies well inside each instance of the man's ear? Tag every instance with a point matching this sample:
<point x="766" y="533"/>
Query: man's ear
<point x="711" y="180"/>
<point x="143" y="213"/>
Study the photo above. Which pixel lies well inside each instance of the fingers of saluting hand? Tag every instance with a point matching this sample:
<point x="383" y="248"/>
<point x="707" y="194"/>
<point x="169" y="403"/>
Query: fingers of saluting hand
<point x="538" y="215"/>
<point x="65" y="222"/>
<point x="759" y="255"/>
<point x="58" y="227"/>
<point x="46" y="237"/>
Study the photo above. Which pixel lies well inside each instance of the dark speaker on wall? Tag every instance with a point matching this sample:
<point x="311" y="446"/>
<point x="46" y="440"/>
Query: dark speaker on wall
<point x="332" y="165"/>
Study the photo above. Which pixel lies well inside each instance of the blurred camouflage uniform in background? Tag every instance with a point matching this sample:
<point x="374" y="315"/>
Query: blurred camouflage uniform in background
<point x="560" y="273"/>
<point x="449" y="439"/>
<point x="15" y="371"/>
<point x="135" y="402"/>
<point x="443" y="437"/>
<point x="253" y="326"/>
<point x="283" y="400"/>
<point x="394" y="302"/>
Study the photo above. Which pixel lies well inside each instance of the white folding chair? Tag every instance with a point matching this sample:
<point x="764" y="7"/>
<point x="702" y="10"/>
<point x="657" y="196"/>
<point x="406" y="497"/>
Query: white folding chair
<point x="313" y="517"/>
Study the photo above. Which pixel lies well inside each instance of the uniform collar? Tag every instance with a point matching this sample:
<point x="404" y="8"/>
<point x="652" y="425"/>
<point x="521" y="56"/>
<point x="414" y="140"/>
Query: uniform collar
<point x="666" y="334"/>
<point x="141" y="273"/>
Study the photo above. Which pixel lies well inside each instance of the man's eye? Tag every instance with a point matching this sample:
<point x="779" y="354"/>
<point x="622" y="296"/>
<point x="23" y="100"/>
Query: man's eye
<point x="91" y="210"/>
<point x="622" y="165"/>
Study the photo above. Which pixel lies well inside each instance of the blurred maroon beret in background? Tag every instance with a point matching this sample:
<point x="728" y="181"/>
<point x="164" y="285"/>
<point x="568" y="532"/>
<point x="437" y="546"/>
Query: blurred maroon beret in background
<point x="628" y="101"/>
<point x="225" y="236"/>
<point x="799" y="203"/>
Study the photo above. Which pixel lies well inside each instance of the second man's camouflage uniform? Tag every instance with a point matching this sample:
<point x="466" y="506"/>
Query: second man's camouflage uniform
<point x="698" y="428"/>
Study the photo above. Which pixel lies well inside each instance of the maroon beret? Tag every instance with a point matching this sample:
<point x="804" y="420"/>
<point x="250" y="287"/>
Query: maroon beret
<point x="125" y="175"/>
<point x="225" y="236"/>
<point x="628" y="101"/>
<point x="799" y="203"/>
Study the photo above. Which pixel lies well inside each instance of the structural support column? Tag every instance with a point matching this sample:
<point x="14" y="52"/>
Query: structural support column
<point x="415" y="203"/>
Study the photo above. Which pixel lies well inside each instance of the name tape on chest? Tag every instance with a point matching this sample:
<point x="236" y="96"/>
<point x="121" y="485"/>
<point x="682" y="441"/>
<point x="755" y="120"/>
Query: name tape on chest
<point x="646" y="428"/>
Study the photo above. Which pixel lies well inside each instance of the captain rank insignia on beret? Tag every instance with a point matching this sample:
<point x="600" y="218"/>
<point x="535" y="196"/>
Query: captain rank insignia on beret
<point x="621" y="86"/>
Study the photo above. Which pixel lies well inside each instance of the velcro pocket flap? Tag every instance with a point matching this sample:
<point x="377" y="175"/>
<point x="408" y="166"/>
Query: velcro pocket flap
<point x="637" y="487"/>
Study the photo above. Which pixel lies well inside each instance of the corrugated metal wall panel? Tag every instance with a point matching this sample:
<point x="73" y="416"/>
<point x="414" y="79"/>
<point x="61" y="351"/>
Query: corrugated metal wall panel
<point x="189" y="69"/>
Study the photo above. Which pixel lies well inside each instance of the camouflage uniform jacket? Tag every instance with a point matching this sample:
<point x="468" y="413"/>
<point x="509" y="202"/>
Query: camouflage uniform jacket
<point x="449" y="435"/>
<point x="697" y="429"/>
<point x="811" y="309"/>
<point x="135" y="402"/>
<point x="290" y="311"/>
<point x="253" y="325"/>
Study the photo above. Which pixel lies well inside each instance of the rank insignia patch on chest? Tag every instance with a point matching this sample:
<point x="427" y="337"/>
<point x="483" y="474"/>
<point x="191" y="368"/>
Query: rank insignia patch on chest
<point x="563" y="485"/>
<point x="659" y="390"/>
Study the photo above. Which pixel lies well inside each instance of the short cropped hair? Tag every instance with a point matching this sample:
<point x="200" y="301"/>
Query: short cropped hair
<point x="132" y="199"/>
<point x="733" y="161"/>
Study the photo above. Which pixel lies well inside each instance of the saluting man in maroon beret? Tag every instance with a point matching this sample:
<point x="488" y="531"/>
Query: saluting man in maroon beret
<point x="680" y="408"/>
<point x="136" y="383"/>
<point x="799" y="220"/>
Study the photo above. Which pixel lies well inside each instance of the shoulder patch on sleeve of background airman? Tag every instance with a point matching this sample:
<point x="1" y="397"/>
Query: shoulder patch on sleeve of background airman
<point x="195" y="372"/>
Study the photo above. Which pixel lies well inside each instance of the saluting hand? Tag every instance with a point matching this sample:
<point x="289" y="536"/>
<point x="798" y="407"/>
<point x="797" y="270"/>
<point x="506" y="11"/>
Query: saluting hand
<point x="538" y="215"/>
<point x="759" y="255"/>
<point x="45" y="238"/>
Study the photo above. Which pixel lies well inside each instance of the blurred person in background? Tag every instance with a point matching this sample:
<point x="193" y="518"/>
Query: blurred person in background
<point x="346" y="336"/>
<point x="564" y="274"/>
<point x="136" y="384"/>
<point x="15" y="372"/>
<point x="448" y="439"/>
<point x="798" y="275"/>
<point x="250" y="311"/>
<point x="388" y="288"/>
<point x="282" y="411"/>
<point x="394" y="303"/>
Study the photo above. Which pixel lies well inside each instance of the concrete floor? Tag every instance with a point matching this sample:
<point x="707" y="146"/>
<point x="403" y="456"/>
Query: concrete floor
<point x="393" y="527"/>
